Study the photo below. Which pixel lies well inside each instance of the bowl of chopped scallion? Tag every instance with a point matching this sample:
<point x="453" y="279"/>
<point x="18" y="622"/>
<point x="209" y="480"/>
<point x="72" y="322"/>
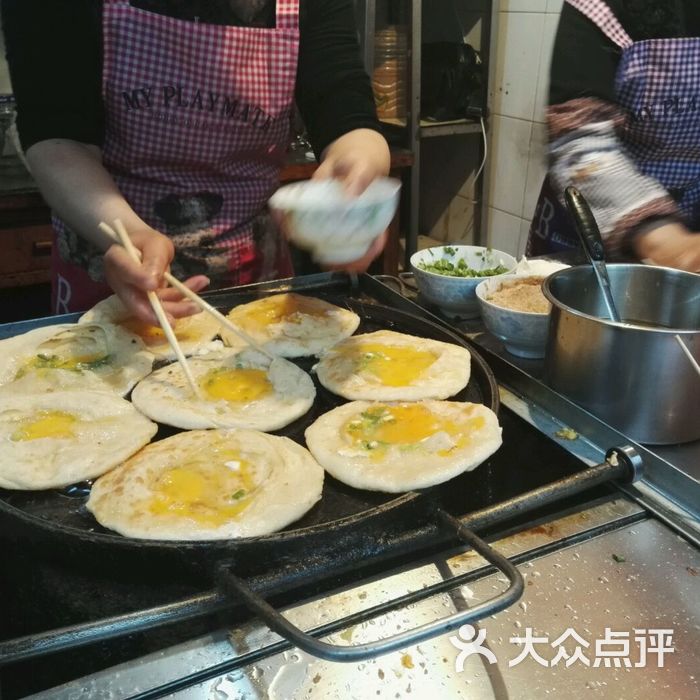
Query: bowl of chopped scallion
<point x="447" y="276"/>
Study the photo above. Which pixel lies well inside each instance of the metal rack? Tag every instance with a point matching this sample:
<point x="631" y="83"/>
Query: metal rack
<point x="418" y="129"/>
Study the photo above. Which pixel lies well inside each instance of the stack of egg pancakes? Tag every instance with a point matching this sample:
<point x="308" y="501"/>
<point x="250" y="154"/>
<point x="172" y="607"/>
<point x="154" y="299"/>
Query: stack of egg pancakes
<point x="391" y="428"/>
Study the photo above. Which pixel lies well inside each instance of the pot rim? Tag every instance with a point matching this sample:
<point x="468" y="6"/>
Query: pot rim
<point x="606" y="321"/>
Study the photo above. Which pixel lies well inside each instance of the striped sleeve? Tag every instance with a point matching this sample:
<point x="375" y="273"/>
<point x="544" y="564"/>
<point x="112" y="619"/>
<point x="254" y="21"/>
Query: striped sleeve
<point x="585" y="150"/>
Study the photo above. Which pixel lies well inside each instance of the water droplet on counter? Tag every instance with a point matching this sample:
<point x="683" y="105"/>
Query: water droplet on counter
<point x="288" y="680"/>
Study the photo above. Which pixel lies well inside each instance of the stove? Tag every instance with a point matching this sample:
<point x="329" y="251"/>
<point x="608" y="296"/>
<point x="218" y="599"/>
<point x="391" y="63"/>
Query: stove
<point x="213" y="646"/>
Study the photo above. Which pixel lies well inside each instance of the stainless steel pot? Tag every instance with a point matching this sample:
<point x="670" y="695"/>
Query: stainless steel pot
<point x="634" y="375"/>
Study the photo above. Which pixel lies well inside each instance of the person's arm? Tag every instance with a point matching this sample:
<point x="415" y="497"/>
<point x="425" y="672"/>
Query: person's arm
<point x="356" y="158"/>
<point x="585" y="149"/>
<point x="335" y="96"/>
<point x="333" y="90"/>
<point x="56" y="82"/>
<point x="670" y="245"/>
<point x="77" y="187"/>
<point x="336" y="102"/>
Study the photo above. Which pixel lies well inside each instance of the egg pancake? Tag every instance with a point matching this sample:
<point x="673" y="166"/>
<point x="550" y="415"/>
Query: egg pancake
<point x="73" y="356"/>
<point x="240" y="390"/>
<point x="193" y="333"/>
<point x="53" y="440"/>
<point x="398" y="447"/>
<point x="390" y="366"/>
<point x="292" y="325"/>
<point x="208" y="485"/>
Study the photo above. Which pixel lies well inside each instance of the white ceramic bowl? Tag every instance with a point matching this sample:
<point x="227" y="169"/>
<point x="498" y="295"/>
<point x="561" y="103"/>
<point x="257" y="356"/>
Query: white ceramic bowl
<point x="318" y="216"/>
<point x="523" y="333"/>
<point x="456" y="296"/>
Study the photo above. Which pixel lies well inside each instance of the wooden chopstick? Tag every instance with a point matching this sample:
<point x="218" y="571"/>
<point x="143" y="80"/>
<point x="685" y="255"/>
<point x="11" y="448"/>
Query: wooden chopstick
<point x="193" y="296"/>
<point x="123" y="238"/>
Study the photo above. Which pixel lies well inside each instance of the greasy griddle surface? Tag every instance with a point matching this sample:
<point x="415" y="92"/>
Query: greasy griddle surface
<point x="65" y="509"/>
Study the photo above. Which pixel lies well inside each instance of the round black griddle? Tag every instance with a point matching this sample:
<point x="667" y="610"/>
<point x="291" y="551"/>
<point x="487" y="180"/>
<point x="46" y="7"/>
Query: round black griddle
<point x="58" y="522"/>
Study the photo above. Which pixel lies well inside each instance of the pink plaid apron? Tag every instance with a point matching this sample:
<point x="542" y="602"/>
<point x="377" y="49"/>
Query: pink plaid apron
<point x="197" y="128"/>
<point x="657" y="84"/>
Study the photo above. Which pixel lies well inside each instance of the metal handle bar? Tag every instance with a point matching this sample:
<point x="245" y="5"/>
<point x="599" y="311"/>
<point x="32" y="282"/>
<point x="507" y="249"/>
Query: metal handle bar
<point x="394" y="280"/>
<point x="233" y="585"/>
<point x="621" y="463"/>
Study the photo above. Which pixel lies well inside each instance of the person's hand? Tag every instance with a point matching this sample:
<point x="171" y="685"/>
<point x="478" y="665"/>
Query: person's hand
<point x="670" y="245"/>
<point x="131" y="281"/>
<point x="356" y="159"/>
<point x="361" y="265"/>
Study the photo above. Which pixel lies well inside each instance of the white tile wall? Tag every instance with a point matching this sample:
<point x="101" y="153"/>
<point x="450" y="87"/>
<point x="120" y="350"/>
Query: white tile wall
<point x="505" y="231"/>
<point x="536" y="168"/>
<point x="551" y="21"/>
<point x="515" y="86"/>
<point x="524" y="232"/>
<point x="510" y="151"/>
<point x="523" y="5"/>
<point x="554" y="6"/>
<point x="518" y="131"/>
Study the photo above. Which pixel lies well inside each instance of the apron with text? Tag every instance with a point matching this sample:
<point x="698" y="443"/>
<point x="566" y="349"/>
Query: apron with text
<point x="657" y="84"/>
<point x="197" y="126"/>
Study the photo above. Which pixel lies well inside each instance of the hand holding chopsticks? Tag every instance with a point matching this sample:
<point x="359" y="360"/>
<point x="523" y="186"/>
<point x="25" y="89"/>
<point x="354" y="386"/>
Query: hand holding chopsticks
<point x="119" y="234"/>
<point x="192" y="296"/>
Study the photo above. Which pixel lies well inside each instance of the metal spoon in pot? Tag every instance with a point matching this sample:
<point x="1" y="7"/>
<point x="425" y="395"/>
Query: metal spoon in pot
<point x="589" y="233"/>
<point x="587" y="230"/>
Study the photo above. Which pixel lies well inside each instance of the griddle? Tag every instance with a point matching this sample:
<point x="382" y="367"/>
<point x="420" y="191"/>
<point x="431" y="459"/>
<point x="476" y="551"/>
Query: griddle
<point x="348" y="530"/>
<point x="61" y="514"/>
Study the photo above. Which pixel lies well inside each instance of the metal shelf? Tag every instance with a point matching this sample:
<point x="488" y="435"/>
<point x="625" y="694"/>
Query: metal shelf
<point x="449" y="128"/>
<point x="417" y="129"/>
<point x="401" y="123"/>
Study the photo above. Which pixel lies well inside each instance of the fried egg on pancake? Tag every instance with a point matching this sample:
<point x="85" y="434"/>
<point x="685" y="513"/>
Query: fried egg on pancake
<point x="403" y="446"/>
<point x="74" y="356"/>
<point x="57" y="439"/>
<point x="193" y="333"/>
<point x="292" y="325"/>
<point x="240" y="390"/>
<point x="390" y="366"/>
<point x="208" y="485"/>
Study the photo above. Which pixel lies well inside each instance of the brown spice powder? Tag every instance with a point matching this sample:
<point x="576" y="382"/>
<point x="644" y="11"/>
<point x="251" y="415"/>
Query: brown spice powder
<point x="523" y="295"/>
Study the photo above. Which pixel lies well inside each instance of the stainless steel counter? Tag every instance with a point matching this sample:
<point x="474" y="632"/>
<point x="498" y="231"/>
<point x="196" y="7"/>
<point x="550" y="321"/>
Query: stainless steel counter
<point x="619" y="567"/>
<point x="672" y="472"/>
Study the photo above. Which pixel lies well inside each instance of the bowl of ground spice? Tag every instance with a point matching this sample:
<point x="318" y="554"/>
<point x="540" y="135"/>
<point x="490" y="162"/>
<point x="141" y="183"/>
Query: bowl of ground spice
<point x="515" y="310"/>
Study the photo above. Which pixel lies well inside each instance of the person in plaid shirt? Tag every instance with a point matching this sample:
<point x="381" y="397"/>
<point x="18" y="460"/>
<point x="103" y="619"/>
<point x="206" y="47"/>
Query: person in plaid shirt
<point x="174" y="116"/>
<point x="624" y="127"/>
